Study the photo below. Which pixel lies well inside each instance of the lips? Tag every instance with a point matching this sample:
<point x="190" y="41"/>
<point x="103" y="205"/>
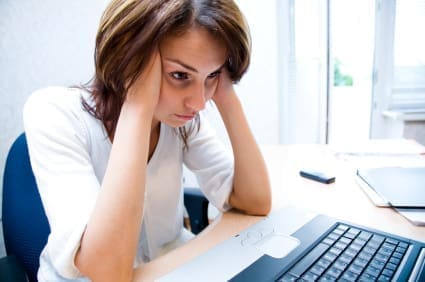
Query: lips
<point x="185" y="117"/>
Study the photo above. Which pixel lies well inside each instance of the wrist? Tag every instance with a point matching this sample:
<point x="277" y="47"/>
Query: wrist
<point x="228" y="102"/>
<point x="231" y="109"/>
<point x="137" y="110"/>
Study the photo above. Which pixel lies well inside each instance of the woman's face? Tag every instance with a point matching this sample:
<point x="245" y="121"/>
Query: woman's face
<point x="191" y="64"/>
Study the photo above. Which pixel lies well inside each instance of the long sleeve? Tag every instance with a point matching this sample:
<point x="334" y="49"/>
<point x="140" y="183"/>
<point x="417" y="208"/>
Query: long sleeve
<point x="59" y="153"/>
<point x="212" y="163"/>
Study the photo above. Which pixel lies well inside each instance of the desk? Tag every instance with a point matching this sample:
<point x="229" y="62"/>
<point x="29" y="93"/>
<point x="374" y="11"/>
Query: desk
<point x="343" y="199"/>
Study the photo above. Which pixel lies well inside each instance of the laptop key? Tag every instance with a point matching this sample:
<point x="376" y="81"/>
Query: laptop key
<point x="364" y="235"/>
<point x="334" y="272"/>
<point x="398" y="255"/>
<point x="327" y="278"/>
<point x="367" y="277"/>
<point x="372" y="271"/>
<point x="324" y="263"/>
<point x="355" y="269"/>
<point x="403" y="245"/>
<point x="360" y="262"/>
<point x="391" y="241"/>
<point x="318" y="269"/>
<point x="395" y="261"/>
<point x="340" y="265"/>
<point x="401" y="249"/>
<point x="377" y="264"/>
<point x="309" y="276"/>
<point x="382" y="258"/>
<point x="308" y="260"/>
<point x="352" y="233"/>
<point x="383" y="278"/>
<point x="388" y="272"/>
<point x="391" y="266"/>
<point x="349" y="276"/>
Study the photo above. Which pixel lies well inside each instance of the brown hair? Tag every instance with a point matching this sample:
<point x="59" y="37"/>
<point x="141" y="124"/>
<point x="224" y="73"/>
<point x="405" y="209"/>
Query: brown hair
<point x="129" y="32"/>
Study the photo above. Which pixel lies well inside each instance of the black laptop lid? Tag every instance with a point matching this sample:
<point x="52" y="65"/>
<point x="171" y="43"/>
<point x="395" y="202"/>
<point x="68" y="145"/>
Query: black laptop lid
<point x="400" y="186"/>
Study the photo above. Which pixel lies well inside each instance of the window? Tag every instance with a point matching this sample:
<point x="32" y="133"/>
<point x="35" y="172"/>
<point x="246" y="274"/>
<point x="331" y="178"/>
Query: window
<point x="351" y="44"/>
<point x="408" y="88"/>
<point x="399" y="68"/>
<point x="302" y="31"/>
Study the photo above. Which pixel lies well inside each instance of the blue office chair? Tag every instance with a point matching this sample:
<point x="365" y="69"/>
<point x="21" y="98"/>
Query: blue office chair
<point x="25" y="225"/>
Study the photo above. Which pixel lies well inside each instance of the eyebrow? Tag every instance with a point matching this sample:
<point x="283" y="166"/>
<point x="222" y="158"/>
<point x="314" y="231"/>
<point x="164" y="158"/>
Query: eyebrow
<point x="186" y="66"/>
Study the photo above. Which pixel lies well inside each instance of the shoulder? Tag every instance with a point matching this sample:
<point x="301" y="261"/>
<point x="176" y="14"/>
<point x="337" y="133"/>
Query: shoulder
<point x="53" y="97"/>
<point x="55" y="109"/>
<point x="52" y="102"/>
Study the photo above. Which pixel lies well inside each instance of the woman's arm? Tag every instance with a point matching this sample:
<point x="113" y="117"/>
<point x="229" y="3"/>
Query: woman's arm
<point x="109" y="243"/>
<point x="251" y="189"/>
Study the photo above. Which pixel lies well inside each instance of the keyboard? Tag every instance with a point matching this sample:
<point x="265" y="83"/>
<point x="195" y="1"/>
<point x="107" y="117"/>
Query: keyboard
<point x="348" y="253"/>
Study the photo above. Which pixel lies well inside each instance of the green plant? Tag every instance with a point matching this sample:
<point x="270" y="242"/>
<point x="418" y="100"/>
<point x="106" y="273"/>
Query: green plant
<point x="341" y="79"/>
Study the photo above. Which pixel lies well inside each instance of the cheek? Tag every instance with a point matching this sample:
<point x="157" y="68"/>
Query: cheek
<point x="169" y="96"/>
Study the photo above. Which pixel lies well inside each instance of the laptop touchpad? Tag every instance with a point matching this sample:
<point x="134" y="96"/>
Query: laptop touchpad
<point x="277" y="245"/>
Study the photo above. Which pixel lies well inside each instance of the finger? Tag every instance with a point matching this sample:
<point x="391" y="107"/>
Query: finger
<point x="151" y="69"/>
<point x="147" y="86"/>
<point x="154" y="64"/>
<point x="156" y="59"/>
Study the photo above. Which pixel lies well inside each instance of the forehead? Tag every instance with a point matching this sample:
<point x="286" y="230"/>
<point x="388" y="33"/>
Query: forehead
<point x="196" y="47"/>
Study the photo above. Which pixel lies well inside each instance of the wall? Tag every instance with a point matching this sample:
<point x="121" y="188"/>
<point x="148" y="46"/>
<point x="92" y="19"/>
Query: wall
<point x="42" y="43"/>
<point x="258" y="89"/>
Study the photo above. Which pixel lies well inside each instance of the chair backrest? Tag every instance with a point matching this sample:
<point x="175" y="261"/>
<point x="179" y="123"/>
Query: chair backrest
<point x="197" y="207"/>
<point x="25" y="225"/>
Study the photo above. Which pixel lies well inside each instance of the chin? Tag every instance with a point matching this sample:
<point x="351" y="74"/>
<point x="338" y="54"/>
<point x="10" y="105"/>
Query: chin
<point x="174" y="124"/>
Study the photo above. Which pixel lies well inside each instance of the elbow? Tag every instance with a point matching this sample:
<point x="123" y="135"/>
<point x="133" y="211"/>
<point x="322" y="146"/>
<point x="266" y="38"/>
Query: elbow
<point x="261" y="208"/>
<point x="261" y="203"/>
<point x="265" y="209"/>
<point x="103" y="274"/>
<point x="257" y="210"/>
<point x="104" y="269"/>
<point x="258" y="205"/>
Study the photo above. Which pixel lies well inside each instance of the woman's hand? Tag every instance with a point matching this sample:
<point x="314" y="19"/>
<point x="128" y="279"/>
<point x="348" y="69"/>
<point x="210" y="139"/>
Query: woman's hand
<point x="123" y="185"/>
<point x="224" y="90"/>
<point x="251" y="191"/>
<point x="146" y="88"/>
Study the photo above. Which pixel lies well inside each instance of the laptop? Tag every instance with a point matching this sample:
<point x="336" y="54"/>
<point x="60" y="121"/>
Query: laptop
<point x="405" y="184"/>
<point x="402" y="187"/>
<point x="292" y="244"/>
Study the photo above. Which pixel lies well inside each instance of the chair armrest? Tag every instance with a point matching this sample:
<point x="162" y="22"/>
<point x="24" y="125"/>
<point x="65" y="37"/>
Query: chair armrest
<point x="197" y="207"/>
<point x="11" y="270"/>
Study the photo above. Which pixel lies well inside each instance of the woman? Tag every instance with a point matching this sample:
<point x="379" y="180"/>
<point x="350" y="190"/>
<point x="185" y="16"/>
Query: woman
<point x="108" y="158"/>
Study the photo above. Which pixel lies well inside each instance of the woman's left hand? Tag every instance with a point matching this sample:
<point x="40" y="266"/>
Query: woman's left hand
<point x="224" y="90"/>
<point x="251" y="191"/>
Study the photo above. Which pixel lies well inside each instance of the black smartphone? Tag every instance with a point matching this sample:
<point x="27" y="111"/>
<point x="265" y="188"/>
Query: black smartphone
<point x="317" y="175"/>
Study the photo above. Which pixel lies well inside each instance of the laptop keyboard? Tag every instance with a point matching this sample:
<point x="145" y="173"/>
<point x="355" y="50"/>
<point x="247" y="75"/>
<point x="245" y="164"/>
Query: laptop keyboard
<point x="349" y="254"/>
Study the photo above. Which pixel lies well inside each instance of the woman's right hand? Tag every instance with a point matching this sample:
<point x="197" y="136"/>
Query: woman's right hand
<point x="123" y="185"/>
<point x="145" y="90"/>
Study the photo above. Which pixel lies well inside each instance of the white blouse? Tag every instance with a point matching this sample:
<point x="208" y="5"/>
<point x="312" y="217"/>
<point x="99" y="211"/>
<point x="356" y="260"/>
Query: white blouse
<point x="69" y="151"/>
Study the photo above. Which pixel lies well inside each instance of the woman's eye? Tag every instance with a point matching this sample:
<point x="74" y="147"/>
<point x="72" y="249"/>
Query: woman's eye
<point x="214" y="74"/>
<point x="179" y="75"/>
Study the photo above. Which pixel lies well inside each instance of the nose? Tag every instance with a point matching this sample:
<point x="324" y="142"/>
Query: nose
<point x="196" y="100"/>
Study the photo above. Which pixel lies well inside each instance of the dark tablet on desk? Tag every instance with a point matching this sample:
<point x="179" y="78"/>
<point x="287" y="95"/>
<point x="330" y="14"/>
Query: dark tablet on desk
<point x="399" y="186"/>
